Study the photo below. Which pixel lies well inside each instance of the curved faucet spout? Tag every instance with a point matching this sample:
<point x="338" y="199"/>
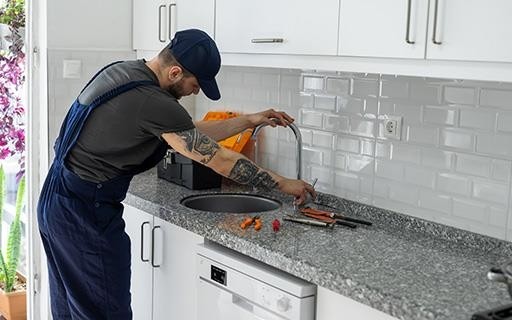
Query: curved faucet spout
<point x="298" y="144"/>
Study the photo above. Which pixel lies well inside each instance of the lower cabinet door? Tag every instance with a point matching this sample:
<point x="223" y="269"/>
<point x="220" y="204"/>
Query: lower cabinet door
<point x="138" y="227"/>
<point x="174" y="282"/>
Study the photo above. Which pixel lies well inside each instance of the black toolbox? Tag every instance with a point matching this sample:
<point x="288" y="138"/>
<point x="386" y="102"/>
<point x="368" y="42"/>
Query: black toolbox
<point x="183" y="171"/>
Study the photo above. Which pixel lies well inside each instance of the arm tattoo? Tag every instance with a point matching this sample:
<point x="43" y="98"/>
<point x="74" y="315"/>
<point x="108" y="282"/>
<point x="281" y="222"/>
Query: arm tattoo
<point x="246" y="172"/>
<point x="201" y="143"/>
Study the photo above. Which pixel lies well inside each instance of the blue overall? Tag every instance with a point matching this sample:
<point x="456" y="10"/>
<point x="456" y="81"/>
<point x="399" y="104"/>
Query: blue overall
<point x="82" y="228"/>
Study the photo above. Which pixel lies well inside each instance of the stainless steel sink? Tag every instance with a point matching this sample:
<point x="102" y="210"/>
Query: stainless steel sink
<point x="230" y="202"/>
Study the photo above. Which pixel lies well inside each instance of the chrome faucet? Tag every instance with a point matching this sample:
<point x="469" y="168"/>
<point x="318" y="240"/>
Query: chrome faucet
<point x="298" y="140"/>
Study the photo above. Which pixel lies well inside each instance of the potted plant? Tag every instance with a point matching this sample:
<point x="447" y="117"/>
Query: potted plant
<point x="13" y="293"/>
<point x="12" y="25"/>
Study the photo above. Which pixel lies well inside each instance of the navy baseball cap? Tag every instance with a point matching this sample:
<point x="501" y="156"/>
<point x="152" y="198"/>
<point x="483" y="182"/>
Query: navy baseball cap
<point x="198" y="53"/>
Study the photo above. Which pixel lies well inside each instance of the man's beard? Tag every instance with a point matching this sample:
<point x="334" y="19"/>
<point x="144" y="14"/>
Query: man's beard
<point x="177" y="89"/>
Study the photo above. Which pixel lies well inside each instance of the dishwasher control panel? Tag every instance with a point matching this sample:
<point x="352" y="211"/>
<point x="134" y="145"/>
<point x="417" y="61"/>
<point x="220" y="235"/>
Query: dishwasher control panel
<point x="218" y="275"/>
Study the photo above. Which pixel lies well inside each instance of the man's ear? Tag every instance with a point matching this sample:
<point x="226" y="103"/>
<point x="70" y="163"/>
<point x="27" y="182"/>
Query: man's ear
<point x="175" y="74"/>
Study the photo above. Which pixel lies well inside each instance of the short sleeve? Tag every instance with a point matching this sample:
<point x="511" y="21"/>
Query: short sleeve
<point x="164" y="115"/>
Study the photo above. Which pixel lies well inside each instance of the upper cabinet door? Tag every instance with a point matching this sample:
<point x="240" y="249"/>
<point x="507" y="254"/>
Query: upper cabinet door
<point x="471" y="30"/>
<point x="277" y="26"/>
<point x="383" y="28"/>
<point x="151" y="24"/>
<point x="195" y="14"/>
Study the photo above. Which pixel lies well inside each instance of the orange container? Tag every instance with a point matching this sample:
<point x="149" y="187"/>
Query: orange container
<point x="236" y="142"/>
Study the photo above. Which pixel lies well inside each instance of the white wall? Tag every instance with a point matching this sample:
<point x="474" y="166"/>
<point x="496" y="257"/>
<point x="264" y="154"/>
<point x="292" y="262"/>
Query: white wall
<point x="453" y="164"/>
<point x="105" y="25"/>
<point x="93" y="32"/>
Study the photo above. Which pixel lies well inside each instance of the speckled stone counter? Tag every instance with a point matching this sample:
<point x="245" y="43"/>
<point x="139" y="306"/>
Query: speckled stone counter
<point x="406" y="267"/>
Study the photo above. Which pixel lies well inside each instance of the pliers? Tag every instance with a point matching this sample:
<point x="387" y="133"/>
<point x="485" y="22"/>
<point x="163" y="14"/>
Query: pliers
<point x="249" y="221"/>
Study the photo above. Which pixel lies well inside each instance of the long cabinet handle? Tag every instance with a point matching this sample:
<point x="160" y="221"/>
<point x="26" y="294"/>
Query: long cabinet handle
<point x="434" y="31"/>
<point x="170" y="20"/>
<point x="142" y="241"/>
<point x="268" y="40"/>
<point x="153" y="247"/>
<point x="408" y="27"/>
<point x="160" y="23"/>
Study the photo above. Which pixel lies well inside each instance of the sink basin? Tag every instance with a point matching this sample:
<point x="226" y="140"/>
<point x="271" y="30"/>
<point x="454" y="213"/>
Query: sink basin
<point x="230" y="202"/>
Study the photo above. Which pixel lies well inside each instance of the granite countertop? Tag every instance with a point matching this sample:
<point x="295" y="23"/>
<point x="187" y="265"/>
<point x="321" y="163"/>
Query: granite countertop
<point x="406" y="267"/>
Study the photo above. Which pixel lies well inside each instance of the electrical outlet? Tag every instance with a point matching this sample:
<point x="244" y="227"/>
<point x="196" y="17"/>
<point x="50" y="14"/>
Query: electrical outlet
<point x="393" y="127"/>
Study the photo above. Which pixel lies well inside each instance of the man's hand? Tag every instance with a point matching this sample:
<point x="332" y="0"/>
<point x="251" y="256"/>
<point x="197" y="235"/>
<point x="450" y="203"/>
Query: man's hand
<point x="283" y="119"/>
<point x="297" y="188"/>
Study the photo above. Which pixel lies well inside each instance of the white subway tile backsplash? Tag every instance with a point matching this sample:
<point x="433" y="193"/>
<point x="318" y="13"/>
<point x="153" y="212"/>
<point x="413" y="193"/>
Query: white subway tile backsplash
<point x="350" y="105"/>
<point x="311" y="118"/>
<point x="453" y="183"/>
<point x="313" y="83"/>
<point x="347" y="143"/>
<point x="505" y="122"/>
<point x="365" y="88"/>
<point x="473" y="165"/>
<point x="459" y="95"/>
<point x="422" y="135"/>
<point x="362" y="127"/>
<point x="336" y="123"/>
<point x="498" y="145"/>
<point x="406" y="153"/>
<point x="440" y="115"/>
<point x="389" y="169"/>
<point x="395" y="89"/>
<point x="323" y="139"/>
<point x="360" y="164"/>
<point x="478" y="119"/>
<point x="402" y="192"/>
<point x="423" y="93"/>
<point x="489" y="191"/>
<point x="338" y="85"/>
<point x="496" y="98"/>
<point x="325" y="102"/>
<point x="419" y="176"/>
<point x="453" y="164"/>
<point x="436" y="158"/>
<point x="501" y="170"/>
<point x="346" y="181"/>
<point x="469" y="209"/>
<point x="435" y="201"/>
<point x="459" y="139"/>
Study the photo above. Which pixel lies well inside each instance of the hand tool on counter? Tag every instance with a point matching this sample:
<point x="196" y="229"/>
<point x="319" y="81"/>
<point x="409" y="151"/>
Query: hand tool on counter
<point x="249" y="221"/>
<point x="337" y="216"/>
<point x="308" y="222"/>
<point x="325" y="218"/>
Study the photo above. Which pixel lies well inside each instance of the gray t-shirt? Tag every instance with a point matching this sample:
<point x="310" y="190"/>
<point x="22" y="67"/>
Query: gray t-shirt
<point x="121" y="133"/>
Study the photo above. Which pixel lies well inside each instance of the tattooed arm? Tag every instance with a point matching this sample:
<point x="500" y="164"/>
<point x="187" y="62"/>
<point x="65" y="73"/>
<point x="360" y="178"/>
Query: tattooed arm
<point x="199" y="147"/>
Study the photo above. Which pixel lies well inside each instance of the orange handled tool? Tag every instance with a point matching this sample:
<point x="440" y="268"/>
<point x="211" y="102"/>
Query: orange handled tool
<point x="257" y="224"/>
<point x="248" y="221"/>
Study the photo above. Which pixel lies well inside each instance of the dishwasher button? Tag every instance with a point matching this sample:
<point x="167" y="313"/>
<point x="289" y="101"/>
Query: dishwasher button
<point x="283" y="304"/>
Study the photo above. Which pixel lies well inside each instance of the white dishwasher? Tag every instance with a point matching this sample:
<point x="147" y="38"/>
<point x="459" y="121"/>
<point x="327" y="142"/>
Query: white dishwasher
<point x="232" y="286"/>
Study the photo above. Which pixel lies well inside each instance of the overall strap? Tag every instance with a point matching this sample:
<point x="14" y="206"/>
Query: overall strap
<point x="78" y="114"/>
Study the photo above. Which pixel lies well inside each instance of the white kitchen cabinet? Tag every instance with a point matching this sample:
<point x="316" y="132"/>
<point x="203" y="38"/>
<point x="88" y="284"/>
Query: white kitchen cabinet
<point x="156" y="21"/>
<point x="471" y="30"/>
<point x="383" y="28"/>
<point x="138" y="227"/>
<point x="195" y="14"/>
<point x="163" y="267"/>
<point x="151" y="24"/>
<point x="463" y="30"/>
<point x="333" y="306"/>
<point x="277" y="26"/>
<point x="174" y="289"/>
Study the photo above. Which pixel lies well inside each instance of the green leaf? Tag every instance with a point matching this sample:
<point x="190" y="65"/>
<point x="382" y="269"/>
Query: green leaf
<point x="3" y="269"/>
<point x="14" y="240"/>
